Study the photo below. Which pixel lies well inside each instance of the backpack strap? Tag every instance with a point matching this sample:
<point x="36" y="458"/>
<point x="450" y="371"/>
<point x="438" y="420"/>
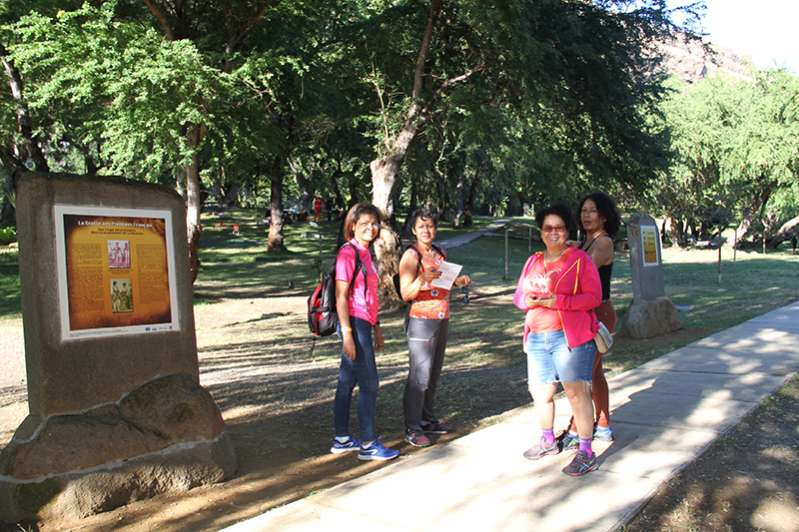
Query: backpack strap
<point x="419" y="254"/>
<point x="358" y="265"/>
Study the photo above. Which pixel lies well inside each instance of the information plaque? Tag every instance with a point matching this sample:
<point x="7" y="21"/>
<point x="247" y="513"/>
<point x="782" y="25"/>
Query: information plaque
<point x="116" y="272"/>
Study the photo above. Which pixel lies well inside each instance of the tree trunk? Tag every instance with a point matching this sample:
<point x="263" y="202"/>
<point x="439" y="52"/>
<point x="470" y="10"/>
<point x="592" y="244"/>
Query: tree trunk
<point x="304" y="186"/>
<point x="481" y="162"/>
<point x="384" y="175"/>
<point x="274" y="241"/>
<point x="30" y="149"/>
<point x="785" y="232"/>
<point x="387" y="247"/>
<point x="387" y="252"/>
<point x="339" y="201"/>
<point x="194" y="201"/>
<point x="352" y="184"/>
<point x="8" y="212"/>
<point x="384" y="170"/>
<point x="412" y="206"/>
<point x="460" y="195"/>
<point x="396" y="198"/>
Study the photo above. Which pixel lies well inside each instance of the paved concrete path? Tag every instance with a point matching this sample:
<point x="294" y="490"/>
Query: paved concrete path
<point x="464" y="239"/>
<point x="665" y="413"/>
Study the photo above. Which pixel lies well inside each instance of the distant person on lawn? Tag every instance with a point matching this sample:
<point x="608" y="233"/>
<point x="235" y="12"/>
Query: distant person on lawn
<point x="599" y="221"/>
<point x="357" y="313"/>
<point x="558" y="290"/>
<point x="428" y="327"/>
<point x="317" y="209"/>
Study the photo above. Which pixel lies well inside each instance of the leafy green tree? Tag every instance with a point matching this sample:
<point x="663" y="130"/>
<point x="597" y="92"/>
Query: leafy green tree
<point x="736" y="157"/>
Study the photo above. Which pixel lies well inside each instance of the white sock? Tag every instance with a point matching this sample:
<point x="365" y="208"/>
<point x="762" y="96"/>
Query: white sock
<point x="342" y="439"/>
<point x="367" y="444"/>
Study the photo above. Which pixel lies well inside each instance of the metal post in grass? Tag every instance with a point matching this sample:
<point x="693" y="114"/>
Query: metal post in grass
<point x="505" y="275"/>
<point x="530" y="240"/>
<point x="719" y="265"/>
<point x="734" y="243"/>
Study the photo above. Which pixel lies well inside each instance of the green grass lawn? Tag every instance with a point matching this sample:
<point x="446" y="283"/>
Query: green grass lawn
<point x="239" y="267"/>
<point x="9" y="281"/>
<point x="753" y="284"/>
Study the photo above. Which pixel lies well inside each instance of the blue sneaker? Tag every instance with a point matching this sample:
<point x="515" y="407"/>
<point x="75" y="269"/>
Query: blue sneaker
<point x="570" y="441"/>
<point x="603" y="434"/>
<point x="376" y="451"/>
<point x="351" y="444"/>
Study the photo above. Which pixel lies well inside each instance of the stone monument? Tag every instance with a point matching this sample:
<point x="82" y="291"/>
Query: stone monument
<point x="116" y="411"/>
<point x="652" y="313"/>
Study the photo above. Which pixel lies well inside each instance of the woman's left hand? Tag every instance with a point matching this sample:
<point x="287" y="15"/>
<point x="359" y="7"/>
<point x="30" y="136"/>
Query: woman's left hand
<point x="548" y="302"/>
<point x="463" y="280"/>
<point x="380" y="342"/>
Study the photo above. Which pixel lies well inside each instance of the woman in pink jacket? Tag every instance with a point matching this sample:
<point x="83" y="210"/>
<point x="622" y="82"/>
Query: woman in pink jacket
<point x="558" y="290"/>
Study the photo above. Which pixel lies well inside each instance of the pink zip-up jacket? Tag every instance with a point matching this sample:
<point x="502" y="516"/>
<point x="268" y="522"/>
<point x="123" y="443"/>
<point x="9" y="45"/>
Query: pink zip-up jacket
<point x="577" y="293"/>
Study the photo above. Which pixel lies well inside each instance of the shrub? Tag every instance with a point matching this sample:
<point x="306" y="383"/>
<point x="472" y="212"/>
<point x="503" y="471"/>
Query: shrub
<point x="7" y="235"/>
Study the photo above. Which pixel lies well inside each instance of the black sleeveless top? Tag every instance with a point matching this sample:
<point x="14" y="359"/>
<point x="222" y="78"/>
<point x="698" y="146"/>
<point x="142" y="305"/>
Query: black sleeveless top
<point x="605" y="273"/>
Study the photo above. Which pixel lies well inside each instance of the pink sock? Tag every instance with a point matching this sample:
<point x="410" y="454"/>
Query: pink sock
<point x="548" y="434"/>
<point x="585" y="446"/>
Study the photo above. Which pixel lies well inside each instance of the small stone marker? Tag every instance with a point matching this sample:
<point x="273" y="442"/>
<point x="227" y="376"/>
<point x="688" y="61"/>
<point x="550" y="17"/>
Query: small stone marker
<point x="116" y="409"/>
<point x="651" y="312"/>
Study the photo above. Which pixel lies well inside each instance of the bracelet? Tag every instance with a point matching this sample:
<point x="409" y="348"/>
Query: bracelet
<point x="346" y="329"/>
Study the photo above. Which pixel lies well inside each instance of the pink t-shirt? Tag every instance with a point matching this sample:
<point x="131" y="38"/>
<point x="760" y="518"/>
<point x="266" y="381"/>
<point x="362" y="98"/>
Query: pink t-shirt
<point x="540" y="282"/>
<point x="362" y="304"/>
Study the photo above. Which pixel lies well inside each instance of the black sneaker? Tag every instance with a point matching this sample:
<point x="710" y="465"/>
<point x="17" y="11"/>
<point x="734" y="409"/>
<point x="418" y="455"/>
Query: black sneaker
<point x="436" y="427"/>
<point x="542" y="449"/>
<point x="417" y="438"/>
<point x="581" y="465"/>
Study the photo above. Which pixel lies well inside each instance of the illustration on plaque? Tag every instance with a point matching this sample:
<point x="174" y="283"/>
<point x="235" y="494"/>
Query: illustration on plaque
<point x="121" y="296"/>
<point x="119" y="254"/>
<point x="97" y="245"/>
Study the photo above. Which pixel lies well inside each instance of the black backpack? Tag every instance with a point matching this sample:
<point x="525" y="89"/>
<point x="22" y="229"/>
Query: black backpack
<point x="322" y="317"/>
<point x="396" y="277"/>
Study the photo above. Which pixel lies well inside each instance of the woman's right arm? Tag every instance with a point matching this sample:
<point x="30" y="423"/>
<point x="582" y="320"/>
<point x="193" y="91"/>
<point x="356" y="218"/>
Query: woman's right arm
<point x="519" y="295"/>
<point x="411" y="279"/>
<point x="343" y="311"/>
<point x="410" y="284"/>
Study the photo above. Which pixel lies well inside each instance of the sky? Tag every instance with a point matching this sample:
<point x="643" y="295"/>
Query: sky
<point x="766" y="31"/>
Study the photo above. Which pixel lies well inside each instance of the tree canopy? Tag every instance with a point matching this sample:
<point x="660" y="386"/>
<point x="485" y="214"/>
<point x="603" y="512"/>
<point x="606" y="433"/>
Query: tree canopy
<point x="466" y="105"/>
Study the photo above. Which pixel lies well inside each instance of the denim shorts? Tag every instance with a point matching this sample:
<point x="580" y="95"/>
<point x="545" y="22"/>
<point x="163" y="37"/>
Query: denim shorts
<point x="549" y="359"/>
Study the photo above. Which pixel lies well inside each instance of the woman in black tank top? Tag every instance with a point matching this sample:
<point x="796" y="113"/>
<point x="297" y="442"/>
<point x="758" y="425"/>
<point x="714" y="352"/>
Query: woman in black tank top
<point x="599" y="221"/>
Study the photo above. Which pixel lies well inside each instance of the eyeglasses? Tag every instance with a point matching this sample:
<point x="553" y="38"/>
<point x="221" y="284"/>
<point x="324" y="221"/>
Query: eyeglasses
<point x="551" y="228"/>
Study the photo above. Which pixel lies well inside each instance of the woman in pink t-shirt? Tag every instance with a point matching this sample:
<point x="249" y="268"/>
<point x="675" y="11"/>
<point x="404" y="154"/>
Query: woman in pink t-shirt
<point x="357" y="306"/>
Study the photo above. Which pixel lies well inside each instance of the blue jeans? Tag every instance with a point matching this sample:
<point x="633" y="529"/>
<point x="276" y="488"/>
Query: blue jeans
<point x="549" y="359"/>
<point x="363" y="372"/>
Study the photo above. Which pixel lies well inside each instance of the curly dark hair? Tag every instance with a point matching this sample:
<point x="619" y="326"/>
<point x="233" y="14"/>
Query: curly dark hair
<point x="560" y="210"/>
<point x="426" y="213"/>
<point x="358" y="210"/>
<point x="607" y="209"/>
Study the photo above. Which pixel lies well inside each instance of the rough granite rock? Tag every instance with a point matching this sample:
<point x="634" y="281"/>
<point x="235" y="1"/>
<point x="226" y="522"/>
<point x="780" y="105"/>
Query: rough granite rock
<point x="165" y="436"/>
<point x="79" y="494"/>
<point x="645" y="319"/>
